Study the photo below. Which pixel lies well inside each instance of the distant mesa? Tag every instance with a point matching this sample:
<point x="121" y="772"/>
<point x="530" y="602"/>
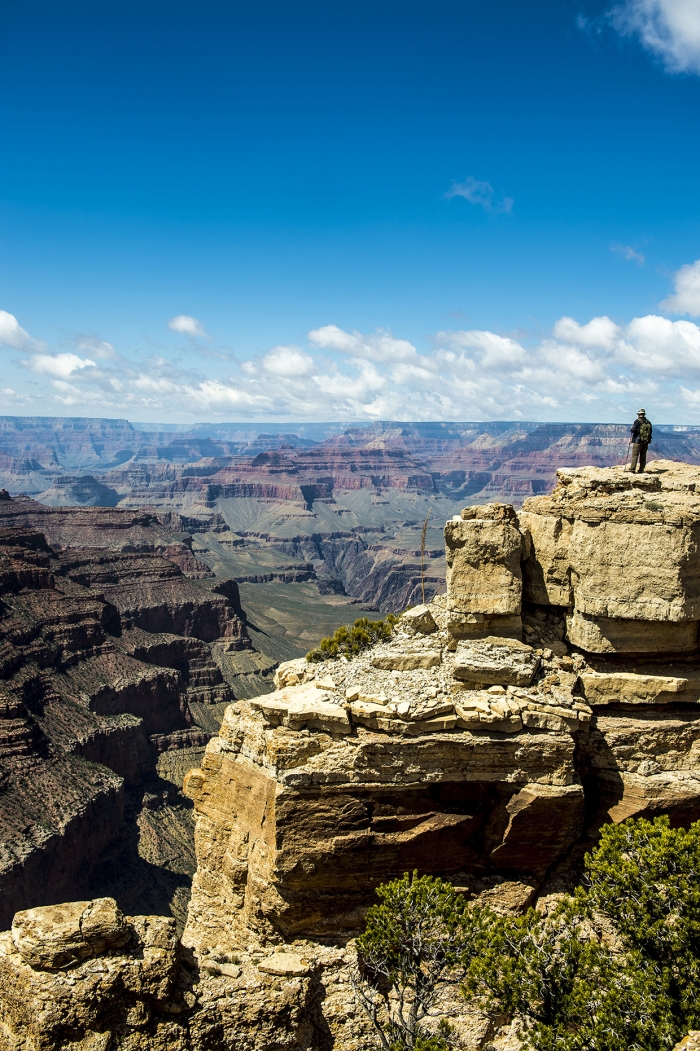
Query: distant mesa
<point x="82" y="490"/>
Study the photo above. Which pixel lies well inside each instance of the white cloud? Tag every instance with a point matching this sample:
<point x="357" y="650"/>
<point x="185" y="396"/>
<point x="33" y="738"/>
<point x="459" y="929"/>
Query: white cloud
<point x="660" y="345"/>
<point x="667" y="28"/>
<point x="188" y="326"/>
<point x="497" y="352"/>
<point x="585" y="369"/>
<point x="481" y="193"/>
<point x="381" y="346"/>
<point x="687" y="297"/>
<point x="598" y="332"/>
<point x="629" y="253"/>
<point x="12" y="334"/>
<point x="287" y="362"/>
<point x="60" y="365"/>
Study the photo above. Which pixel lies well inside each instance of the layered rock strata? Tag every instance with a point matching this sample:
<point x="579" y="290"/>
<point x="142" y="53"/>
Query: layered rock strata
<point x="89" y="697"/>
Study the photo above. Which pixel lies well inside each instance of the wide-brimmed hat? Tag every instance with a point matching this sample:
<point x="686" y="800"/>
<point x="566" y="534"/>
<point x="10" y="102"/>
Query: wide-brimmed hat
<point x="641" y="412"/>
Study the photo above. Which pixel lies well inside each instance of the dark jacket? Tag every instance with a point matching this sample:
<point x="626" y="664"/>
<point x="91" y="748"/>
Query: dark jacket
<point x="635" y="430"/>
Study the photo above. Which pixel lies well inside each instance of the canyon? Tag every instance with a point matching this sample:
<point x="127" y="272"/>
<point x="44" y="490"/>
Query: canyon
<point x="315" y="517"/>
<point x="553" y="687"/>
<point x="110" y="635"/>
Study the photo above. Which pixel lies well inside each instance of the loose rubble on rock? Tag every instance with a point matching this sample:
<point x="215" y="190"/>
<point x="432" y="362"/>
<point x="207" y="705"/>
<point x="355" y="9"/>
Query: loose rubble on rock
<point x="554" y="687"/>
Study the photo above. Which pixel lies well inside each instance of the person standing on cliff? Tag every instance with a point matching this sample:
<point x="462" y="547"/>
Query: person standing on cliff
<point x="641" y="432"/>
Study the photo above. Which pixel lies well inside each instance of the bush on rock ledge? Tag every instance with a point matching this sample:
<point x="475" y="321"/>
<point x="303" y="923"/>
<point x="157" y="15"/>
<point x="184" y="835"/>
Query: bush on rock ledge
<point x="349" y="641"/>
<point x="613" y="967"/>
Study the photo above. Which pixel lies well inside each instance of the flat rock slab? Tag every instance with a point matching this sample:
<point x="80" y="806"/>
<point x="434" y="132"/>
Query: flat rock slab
<point x="495" y="662"/>
<point x="406" y="660"/>
<point x="285" y="965"/>
<point x="303" y="708"/>
<point x="601" y="688"/>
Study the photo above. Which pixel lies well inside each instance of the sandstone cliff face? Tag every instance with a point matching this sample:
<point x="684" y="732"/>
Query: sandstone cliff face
<point x="621" y="553"/>
<point x="454" y="748"/>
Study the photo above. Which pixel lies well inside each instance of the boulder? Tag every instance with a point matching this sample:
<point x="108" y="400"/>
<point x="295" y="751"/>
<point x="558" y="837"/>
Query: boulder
<point x="53" y="937"/>
<point x="419" y="619"/>
<point x="292" y="673"/>
<point x="620" y="687"/>
<point x="494" y="661"/>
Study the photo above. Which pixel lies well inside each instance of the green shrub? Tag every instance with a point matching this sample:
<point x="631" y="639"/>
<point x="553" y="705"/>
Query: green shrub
<point x="613" y="967"/>
<point x="349" y="641"/>
<point x="412" y="941"/>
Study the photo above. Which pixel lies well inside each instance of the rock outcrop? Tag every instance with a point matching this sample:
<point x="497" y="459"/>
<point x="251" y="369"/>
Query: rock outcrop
<point x="454" y="748"/>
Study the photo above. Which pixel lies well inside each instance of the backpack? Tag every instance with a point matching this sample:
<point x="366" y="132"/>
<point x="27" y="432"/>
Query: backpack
<point x="645" y="431"/>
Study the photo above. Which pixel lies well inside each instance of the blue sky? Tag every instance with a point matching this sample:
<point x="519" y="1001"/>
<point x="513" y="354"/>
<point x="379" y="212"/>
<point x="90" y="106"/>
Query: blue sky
<point x="446" y="210"/>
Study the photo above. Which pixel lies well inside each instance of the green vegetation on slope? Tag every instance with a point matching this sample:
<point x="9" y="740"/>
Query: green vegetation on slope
<point x="613" y="967"/>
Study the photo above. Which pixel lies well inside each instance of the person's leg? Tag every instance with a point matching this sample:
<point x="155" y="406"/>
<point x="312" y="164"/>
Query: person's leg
<point x="635" y="456"/>
<point x="642" y="457"/>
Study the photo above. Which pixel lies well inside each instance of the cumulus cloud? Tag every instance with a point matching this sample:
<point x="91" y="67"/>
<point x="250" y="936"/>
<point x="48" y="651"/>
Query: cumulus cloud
<point x="660" y="345"/>
<point x="12" y="334"/>
<point x="629" y="253"/>
<point x="583" y="368"/>
<point x="482" y="194"/>
<point x="598" y="332"/>
<point x="687" y="297"/>
<point x="381" y="346"/>
<point x="287" y="362"/>
<point x="491" y="350"/>
<point x="60" y="365"/>
<point x="188" y="326"/>
<point x="669" y="29"/>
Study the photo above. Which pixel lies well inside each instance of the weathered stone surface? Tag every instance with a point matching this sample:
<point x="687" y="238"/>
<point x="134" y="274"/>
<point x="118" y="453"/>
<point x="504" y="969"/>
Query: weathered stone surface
<point x="285" y="965"/>
<point x="483" y="561"/>
<point x="314" y="713"/>
<point x="495" y="661"/>
<point x="419" y="619"/>
<point x="609" y="635"/>
<point x="620" y="687"/>
<point x="405" y="660"/>
<point x="58" y="936"/>
<point x="481" y="625"/>
<point x="293" y="673"/>
<point x="622" y="550"/>
<point x="544" y="821"/>
<point x="689" y="1043"/>
<point x="645" y="763"/>
<point x="546" y="570"/>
